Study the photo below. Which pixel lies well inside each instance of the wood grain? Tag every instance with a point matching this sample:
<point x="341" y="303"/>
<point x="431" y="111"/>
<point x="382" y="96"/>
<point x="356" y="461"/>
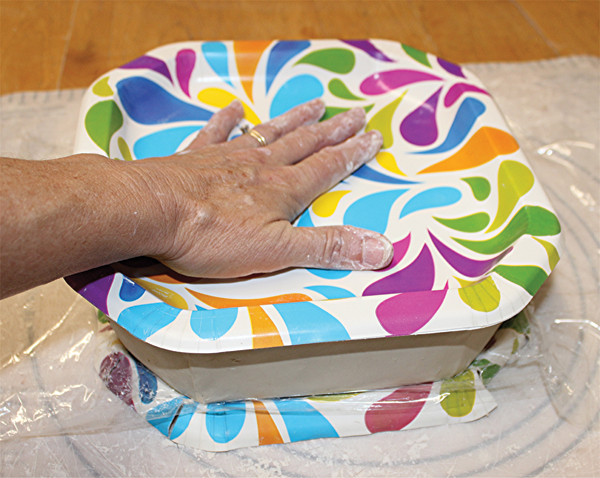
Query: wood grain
<point x="468" y="31"/>
<point x="69" y="43"/>
<point x="569" y="27"/>
<point x="33" y="41"/>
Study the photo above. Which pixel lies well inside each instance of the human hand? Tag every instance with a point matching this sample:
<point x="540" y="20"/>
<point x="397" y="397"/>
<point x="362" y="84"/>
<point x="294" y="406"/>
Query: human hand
<point x="228" y="206"/>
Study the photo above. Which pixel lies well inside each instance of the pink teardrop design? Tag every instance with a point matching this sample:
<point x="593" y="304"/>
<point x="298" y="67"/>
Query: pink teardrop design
<point x="184" y="65"/>
<point x="400" y="249"/>
<point x="405" y="314"/>
<point x="417" y="276"/>
<point x="397" y="410"/>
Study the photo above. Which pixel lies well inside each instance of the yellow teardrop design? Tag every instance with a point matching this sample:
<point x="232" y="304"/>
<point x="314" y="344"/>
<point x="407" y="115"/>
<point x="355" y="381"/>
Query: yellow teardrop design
<point x="101" y="88"/>
<point x="326" y="204"/>
<point x="482" y="296"/>
<point x="220" y="99"/>
<point x="386" y="160"/>
<point x="553" y="256"/>
<point x="164" y="294"/>
<point x="458" y="394"/>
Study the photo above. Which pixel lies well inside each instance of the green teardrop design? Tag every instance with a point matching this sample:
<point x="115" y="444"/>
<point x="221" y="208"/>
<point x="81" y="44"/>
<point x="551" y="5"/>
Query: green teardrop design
<point x="529" y="278"/>
<point x="519" y="323"/>
<point x="102" y="318"/>
<point x="337" y="60"/>
<point x="102" y="121"/>
<point x="331" y="111"/>
<point x="489" y="373"/>
<point x="418" y="55"/>
<point x="532" y="220"/>
<point x="472" y="223"/>
<point x="480" y="186"/>
<point x="338" y="88"/>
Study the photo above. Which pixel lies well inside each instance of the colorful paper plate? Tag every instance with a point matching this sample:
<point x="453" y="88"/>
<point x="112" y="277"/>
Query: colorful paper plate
<point x="474" y="234"/>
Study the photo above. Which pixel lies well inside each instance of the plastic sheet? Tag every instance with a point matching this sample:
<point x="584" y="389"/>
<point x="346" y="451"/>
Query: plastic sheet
<point x="56" y="409"/>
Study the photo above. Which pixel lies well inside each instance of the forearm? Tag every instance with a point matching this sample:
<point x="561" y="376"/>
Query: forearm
<point x="67" y="215"/>
<point x="223" y="209"/>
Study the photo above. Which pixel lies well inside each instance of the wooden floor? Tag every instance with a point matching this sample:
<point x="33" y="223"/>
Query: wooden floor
<point x="68" y="43"/>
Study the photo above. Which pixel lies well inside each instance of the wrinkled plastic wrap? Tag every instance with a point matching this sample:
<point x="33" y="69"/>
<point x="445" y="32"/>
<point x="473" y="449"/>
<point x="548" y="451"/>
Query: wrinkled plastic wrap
<point x="58" y="418"/>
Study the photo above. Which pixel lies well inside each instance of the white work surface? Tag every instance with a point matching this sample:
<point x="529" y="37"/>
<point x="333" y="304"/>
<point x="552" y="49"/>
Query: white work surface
<point x="58" y="419"/>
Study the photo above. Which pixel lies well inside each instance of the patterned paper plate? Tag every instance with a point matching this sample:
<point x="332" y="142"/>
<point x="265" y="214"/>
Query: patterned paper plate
<point x="474" y="234"/>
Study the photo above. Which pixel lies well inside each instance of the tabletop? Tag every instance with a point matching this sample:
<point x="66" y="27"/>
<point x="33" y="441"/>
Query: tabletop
<point x="69" y="43"/>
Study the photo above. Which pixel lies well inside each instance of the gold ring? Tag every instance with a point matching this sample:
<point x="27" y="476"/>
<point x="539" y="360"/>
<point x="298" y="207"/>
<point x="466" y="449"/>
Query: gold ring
<point x="255" y="134"/>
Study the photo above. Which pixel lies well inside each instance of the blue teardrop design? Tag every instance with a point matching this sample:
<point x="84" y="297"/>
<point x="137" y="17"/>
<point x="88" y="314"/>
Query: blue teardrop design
<point x="280" y="54"/>
<point x="365" y="172"/>
<point x="372" y="212"/>
<point x="432" y="198"/>
<point x="142" y="321"/>
<point x="224" y="421"/>
<point x="162" y="143"/>
<point x="130" y="291"/>
<point x="148" y="103"/>
<point x="160" y="417"/>
<point x="331" y="292"/>
<point x="212" y="324"/>
<point x="307" y="323"/>
<point x="305" y="220"/>
<point x="216" y="56"/>
<point x="303" y="421"/>
<point x="183" y="419"/>
<point x="294" y="92"/>
<point x="147" y="383"/>
<point x="465" y="118"/>
<point x="329" y="274"/>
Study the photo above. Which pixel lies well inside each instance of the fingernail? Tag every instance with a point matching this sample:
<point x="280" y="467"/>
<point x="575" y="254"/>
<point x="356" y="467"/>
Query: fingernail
<point x="376" y="139"/>
<point x="377" y="252"/>
<point x="236" y="104"/>
<point x="318" y="105"/>
<point x="357" y="113"/>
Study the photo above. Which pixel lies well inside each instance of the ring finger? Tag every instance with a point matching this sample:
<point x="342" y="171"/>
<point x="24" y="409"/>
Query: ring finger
<point x="305" y="114"/>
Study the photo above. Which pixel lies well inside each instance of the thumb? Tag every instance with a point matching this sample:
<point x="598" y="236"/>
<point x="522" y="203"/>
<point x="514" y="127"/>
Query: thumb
<point x="338" y="247"/>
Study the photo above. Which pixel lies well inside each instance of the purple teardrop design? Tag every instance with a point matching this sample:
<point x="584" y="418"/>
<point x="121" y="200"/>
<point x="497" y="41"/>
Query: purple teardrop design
<point x="456" y="91"/>
<point x="400" y="249"/>
<point x="150" y="63"/>
<point x="451" y="68"/>
<point x="369" y="49"/>
<point x="381" y="83"/>
<point x="417" y="276"/>
<point x="464" y="265"/>
<point x="420" y="127"/>
<point x="184" y="65"/>
<point x="93" y="285"/>
<point x="405" y="314"/>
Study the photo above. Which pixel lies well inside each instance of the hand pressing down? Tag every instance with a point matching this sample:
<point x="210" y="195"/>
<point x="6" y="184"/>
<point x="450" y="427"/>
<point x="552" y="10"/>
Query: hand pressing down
<point x="231" y="204"/>
<point x="217" y="210"/>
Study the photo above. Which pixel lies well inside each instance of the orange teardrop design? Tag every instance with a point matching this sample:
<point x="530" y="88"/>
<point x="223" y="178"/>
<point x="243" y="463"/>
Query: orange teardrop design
<point x="486" y="144"/>
<point x="268" y="434"/>
<point x="225" y="303"/>
<point x="247" y="56"/>
<point x="264" y="332"/>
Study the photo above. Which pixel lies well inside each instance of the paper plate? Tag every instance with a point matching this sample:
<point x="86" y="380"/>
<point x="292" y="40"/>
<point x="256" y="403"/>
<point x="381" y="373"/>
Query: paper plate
<point x="474" y="234"/>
